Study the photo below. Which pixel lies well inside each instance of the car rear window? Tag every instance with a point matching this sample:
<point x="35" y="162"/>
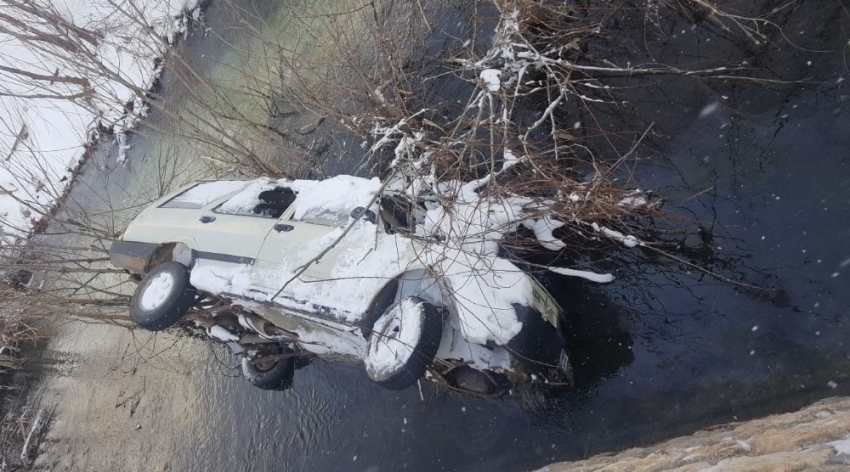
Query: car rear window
<point x="203" y="194"/>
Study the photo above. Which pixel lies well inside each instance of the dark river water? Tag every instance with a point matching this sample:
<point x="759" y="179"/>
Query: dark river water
<point x="662" y="351"/>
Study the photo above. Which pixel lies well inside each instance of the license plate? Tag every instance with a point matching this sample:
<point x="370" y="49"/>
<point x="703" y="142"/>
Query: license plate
<point x="564" y="361"/>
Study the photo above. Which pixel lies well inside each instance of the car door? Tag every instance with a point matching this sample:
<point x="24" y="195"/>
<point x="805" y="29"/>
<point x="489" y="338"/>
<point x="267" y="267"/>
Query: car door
<point x="289" y="245"/>
<point x="343" y="281"/>
<point x="235" y="229"/>
<point x="173" y="218"/>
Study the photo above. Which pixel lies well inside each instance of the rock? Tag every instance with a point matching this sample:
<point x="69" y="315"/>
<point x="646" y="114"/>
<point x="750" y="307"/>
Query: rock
<point x="813" y="438"/>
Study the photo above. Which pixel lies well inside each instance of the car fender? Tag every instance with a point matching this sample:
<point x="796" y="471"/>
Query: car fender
<point x="182" y="250"/>
<point x="139" y="257"/>
<point x="414" y="282"/>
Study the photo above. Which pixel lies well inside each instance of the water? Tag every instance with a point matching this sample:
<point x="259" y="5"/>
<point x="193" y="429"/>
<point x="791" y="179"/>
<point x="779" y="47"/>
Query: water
<point x="662" y="351"/>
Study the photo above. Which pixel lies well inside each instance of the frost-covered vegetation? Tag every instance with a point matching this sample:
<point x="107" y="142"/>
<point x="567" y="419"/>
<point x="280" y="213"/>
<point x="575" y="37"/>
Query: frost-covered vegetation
<point x="71" y="71"/>
<point x="529" y="160"/>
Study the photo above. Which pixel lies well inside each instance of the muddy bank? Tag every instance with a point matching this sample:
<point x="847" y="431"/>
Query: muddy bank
<point x="123" y="402"/>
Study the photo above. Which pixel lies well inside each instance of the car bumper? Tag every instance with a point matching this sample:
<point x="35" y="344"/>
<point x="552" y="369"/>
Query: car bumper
<point x="130" y="255"/>
<point x="539" y="347"/>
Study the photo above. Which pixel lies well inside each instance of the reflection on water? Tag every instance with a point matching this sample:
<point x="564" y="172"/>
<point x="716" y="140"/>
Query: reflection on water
<point x="663" y="350"/>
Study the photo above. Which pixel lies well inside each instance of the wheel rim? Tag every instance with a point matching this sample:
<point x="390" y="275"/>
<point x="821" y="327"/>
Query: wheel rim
<point x="265" y="359"/>
<point x="157" y="292"/>
<point x="264" y="363"/>
<point x="394" y="338"/>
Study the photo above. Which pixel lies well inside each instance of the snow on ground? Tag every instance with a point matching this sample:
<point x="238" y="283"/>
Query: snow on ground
<point x="842" y="446"/>
<point x="42" y="136"/>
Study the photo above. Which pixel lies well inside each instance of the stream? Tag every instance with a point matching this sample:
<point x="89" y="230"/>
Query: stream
<point x="662" y="351"/>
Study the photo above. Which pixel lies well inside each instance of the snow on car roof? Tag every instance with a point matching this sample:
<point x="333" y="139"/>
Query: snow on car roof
<point x="325" y="202"/>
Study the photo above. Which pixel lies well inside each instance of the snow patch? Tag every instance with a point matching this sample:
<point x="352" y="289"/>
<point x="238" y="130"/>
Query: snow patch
<point x="246" y="199"/>
<point x="634" y="200"/>
<point x="491" y="79"/>
<point x="543" y="232"/>
<point x="628" y="241"/>
<point x="511" y="160"/>
<point x="592" y="276"/>
<point x="333" y="199"/>
<point x="454" y="346"/>
<point x="219" y="278"/>
<point x="222" y="334"/>
<point x="841" y="447"/>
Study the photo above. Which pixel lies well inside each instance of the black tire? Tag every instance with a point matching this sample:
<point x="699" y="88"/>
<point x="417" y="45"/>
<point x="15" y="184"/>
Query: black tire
<point x="271" y="375"/>
<point x="166" y="310"/>
<point x="403" y="375"/>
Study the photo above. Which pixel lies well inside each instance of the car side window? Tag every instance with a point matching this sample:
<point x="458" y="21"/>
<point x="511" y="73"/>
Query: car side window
<point x="268" y="203"/>
<point x="202" y="194"/>
<point x="274" y="202"/>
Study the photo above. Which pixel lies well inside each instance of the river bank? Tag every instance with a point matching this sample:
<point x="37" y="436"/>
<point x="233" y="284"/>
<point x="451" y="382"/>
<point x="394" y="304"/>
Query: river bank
<point x="72" y="75"/>
<point x="814" y="438"/>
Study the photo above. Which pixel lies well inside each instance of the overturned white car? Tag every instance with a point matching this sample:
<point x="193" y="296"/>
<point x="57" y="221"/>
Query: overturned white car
<point x="344" y="268"/>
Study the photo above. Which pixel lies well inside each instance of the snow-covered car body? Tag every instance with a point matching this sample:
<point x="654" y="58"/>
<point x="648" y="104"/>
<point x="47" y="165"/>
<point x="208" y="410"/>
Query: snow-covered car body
<point x="323" y="260"/>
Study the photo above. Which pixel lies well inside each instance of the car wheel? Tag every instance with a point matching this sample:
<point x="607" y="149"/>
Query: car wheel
<point x="474" y="380"/>
<point x="265" y="372"/>
<point x="162" y="297"/>
<point x="403" y="343"/>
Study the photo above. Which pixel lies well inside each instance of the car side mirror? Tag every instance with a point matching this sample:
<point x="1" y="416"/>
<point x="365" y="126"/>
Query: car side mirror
<point x="367" y="215"/>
